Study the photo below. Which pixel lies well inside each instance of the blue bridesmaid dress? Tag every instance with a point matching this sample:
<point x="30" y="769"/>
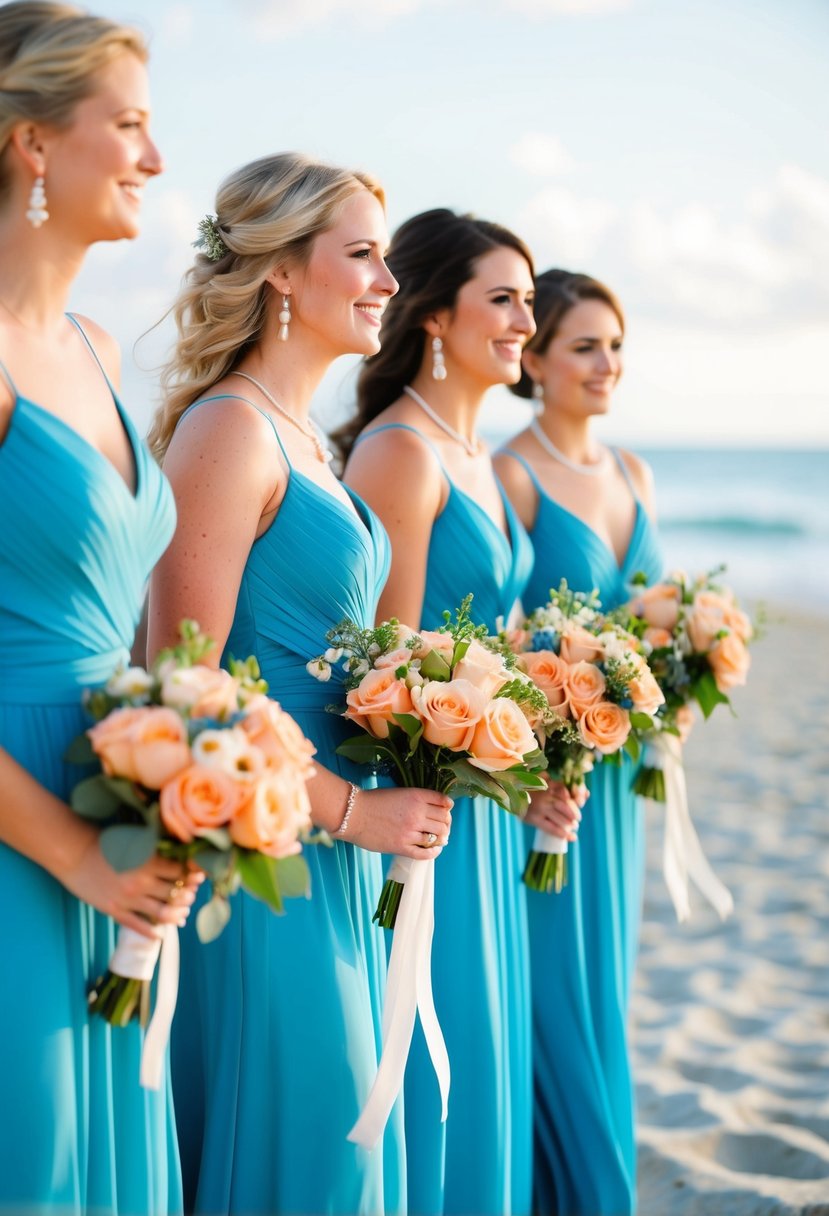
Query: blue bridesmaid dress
<point x="277" y="1032"/>
<point x="77" y="1133"/>
<point x="584" y="941"/>
<point x="480" y="1160"/>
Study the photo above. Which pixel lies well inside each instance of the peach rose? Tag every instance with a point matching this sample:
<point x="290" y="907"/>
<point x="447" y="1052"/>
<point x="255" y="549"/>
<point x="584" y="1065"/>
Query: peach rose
<point x="431" y="639"/>
<point x="549" y="673"/>
<point x="739" y="623"/>
<point x="643" y="689"/>
<point x="585" y="687"/>
<point x="275" y="813"/>
<point x="579" y="646"/>
<point x="450" y="711"/>
<point x="656" y="637"/>
<point x="112" y="743"/>
<point x="502" y="737"/>
<point x="706" y="619"/>
<point x="375" y="700"/>
<point x="159" y="747"/>
<point x="394" y="659"/>
<point x="272" y="730"/>
<point x="202" y="691"/>
<point x="483" y="668"/>
<point x="729" y="661"/>
<point x="658" y="605"/>
<point x="605" y="726"/>
<point x="197" y="800"/>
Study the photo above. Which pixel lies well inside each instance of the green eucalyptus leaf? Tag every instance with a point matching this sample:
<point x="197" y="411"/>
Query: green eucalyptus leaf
<point x="127" y="846"/>
<point x="362" y="749"/>
<point x="631" y="746"/>
<point x="294" y="877"/>
<point x="80" y="751"/>
<point x="94" y="798"/>
<point x="218" y="837"/>
<point x="640" y="721"/>
<point x="708" y="695"/>
<point x="212" y="918"/>
<point x="257" y="874"/>
<point x="435" y="667"/>
<point x="216" y="863"/>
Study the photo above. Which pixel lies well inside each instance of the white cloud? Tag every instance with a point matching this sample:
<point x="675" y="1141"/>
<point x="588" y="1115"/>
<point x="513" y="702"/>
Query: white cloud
<point x="541" y="155"/>
<point x="176" y="24"/>
<point x="762" y="263"/>
<point x="281" y="18"/>
<point x="567" y="8"/>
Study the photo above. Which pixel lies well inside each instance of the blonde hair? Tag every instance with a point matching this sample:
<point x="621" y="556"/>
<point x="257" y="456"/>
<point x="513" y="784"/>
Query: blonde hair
<point x="267" y="213"/>
<point x="49" y="57"/>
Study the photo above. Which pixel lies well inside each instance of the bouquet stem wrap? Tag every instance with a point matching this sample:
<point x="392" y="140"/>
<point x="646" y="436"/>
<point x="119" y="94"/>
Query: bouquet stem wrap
<point x="546" y="868"/>
<point x="408" y="992"/>
<point x="135" y="958"/>
<point x="683" y="857"/>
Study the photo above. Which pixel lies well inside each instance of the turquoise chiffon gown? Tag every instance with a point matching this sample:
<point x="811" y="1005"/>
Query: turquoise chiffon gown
<point x="277" y="1033"/>
<point x="480" y="1160"/>
<point x="584" y="941"/>
<point x="77" y="1132"/>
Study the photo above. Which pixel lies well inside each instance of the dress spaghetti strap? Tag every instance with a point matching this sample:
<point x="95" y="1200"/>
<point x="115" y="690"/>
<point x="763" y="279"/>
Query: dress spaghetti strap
<point x="528" y="469"/>
<point x="71" y="317"/>
<point x="404" y="426"/>
<point x="7" y="377"/>
<point x="247" y="400"/>
<point x="625" y="473"/>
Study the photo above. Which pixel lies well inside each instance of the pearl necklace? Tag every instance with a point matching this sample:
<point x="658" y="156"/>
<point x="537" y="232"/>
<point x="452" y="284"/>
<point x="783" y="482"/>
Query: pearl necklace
<point x="311" y="432"/>
<point x="588" y="470"/>
<point x="470" y="446"/>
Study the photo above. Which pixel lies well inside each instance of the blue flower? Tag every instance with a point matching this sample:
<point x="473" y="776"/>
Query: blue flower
<point x="545" y="639"/>
<point x="626" y="703"/>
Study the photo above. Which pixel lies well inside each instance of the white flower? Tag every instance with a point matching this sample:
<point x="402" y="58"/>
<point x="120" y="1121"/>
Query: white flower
<point x="320" y="669"/>
<point x="374" y="650"/>
<point x="230" y="751"/>
<point x="333" y="654"/>
<point x="359" y="668"/>
<point x="132" y="682"/>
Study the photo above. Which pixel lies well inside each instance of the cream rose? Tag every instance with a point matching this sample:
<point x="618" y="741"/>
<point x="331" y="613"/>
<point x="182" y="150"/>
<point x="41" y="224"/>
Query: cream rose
<point x="658" y="605"/>
<point x="450" y="710"/>
<point x="394" y="659"/>
<point x="605" y="726"/>
<point x="276" y="812"/>
<point x="706" y="619"/>
<point x="729" y="661"/>
<point x="585" y="687"/>
<point x="739" y="623"/>
<point x="111" y="741"/>
<point x="202" y="691"/>
<point x="483" y="668"/>
<point x="502" y="737"/>
<point x="375" y="701"/>
<point x="579" y="646"/>
<point x="159" y="747"/>
<point x="656" y="637"/>
<point x="549" y="673"/>
<point x="197" y="800"/>
<point x="643" y="689"/>
<point x="431" y="639"/>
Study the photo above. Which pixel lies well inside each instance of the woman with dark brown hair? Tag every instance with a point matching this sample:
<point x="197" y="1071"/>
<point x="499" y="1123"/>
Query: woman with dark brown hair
<point x="456" y="328"/>
<point x="589" y="512"/>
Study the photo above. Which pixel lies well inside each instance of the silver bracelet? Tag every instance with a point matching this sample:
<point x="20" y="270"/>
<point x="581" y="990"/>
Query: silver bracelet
<point x="349" y="807"/>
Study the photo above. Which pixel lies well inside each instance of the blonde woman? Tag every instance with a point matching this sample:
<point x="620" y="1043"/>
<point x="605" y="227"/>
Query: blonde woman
<point x="84" y="514"/>
<point x="277" y="1037"/>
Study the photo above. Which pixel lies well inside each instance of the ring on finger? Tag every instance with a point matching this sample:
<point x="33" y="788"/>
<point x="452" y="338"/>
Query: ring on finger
<point x="174" y="890"/>
<point x="431" y="837"/>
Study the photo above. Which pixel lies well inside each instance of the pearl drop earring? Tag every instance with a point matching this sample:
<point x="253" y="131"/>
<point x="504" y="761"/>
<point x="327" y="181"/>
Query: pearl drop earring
<point x="538" y="398"/>
<point x="37" y="213"/>
<point x="438" y="362"/>
<point x="284" y="319"/>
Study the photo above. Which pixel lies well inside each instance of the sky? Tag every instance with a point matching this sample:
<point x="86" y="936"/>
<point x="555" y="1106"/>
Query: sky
<point x="676" y="150"/>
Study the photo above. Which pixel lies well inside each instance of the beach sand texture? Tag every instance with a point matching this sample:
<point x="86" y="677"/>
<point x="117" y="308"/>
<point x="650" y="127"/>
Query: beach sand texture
<point x="730" y="1022"/>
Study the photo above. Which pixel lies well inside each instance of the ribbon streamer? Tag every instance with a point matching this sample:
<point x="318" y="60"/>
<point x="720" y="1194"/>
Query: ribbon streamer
<point x="135" y="958"/>
<point x="408" y="992"/>
<point x="682" y="856"/>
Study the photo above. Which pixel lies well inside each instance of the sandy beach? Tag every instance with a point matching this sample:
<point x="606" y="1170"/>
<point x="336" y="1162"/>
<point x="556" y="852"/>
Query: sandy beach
<point x="730" y="1022"/>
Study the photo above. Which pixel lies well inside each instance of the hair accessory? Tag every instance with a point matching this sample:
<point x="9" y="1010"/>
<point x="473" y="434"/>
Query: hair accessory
<point x="438" y="362"/>
<point x="349" y="807"/>
<point x="37" y="213"/>
<point x="210" y="241"/>
<point x="284" y="319"/>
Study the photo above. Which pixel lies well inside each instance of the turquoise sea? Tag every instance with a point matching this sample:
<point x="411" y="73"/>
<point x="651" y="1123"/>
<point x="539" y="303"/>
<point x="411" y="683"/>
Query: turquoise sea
<point x="764" y="513"/>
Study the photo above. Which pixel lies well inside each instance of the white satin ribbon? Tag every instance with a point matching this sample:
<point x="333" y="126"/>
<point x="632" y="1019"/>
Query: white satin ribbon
<point x="682" y="856"/>
<point x="408" y="992"/>
<point x="135" y="958"/>
<point x="543" y="842"/>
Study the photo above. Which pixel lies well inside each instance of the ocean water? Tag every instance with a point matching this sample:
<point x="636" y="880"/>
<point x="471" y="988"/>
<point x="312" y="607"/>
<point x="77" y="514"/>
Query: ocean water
<point x="763" y="513"/>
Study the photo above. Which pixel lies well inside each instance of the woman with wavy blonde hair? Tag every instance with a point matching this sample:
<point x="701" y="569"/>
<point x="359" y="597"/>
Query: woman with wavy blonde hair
<point x="278" y="1027"/>
<point x="84" y="514"/>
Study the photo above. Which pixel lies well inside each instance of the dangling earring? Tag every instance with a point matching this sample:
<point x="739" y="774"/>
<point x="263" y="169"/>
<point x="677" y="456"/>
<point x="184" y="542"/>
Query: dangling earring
<point x="284" y="319"/>
<point x="37" y="213"/>
<point x="538" y="398"/>
<point x="438" y="362"/>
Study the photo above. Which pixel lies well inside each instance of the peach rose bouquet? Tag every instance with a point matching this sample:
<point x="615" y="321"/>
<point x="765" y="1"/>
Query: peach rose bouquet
<point x="440" y="710"/>
<point x="602" y="700"/>
<point x="201" y="766"/>
<point x="696" y="638"/>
